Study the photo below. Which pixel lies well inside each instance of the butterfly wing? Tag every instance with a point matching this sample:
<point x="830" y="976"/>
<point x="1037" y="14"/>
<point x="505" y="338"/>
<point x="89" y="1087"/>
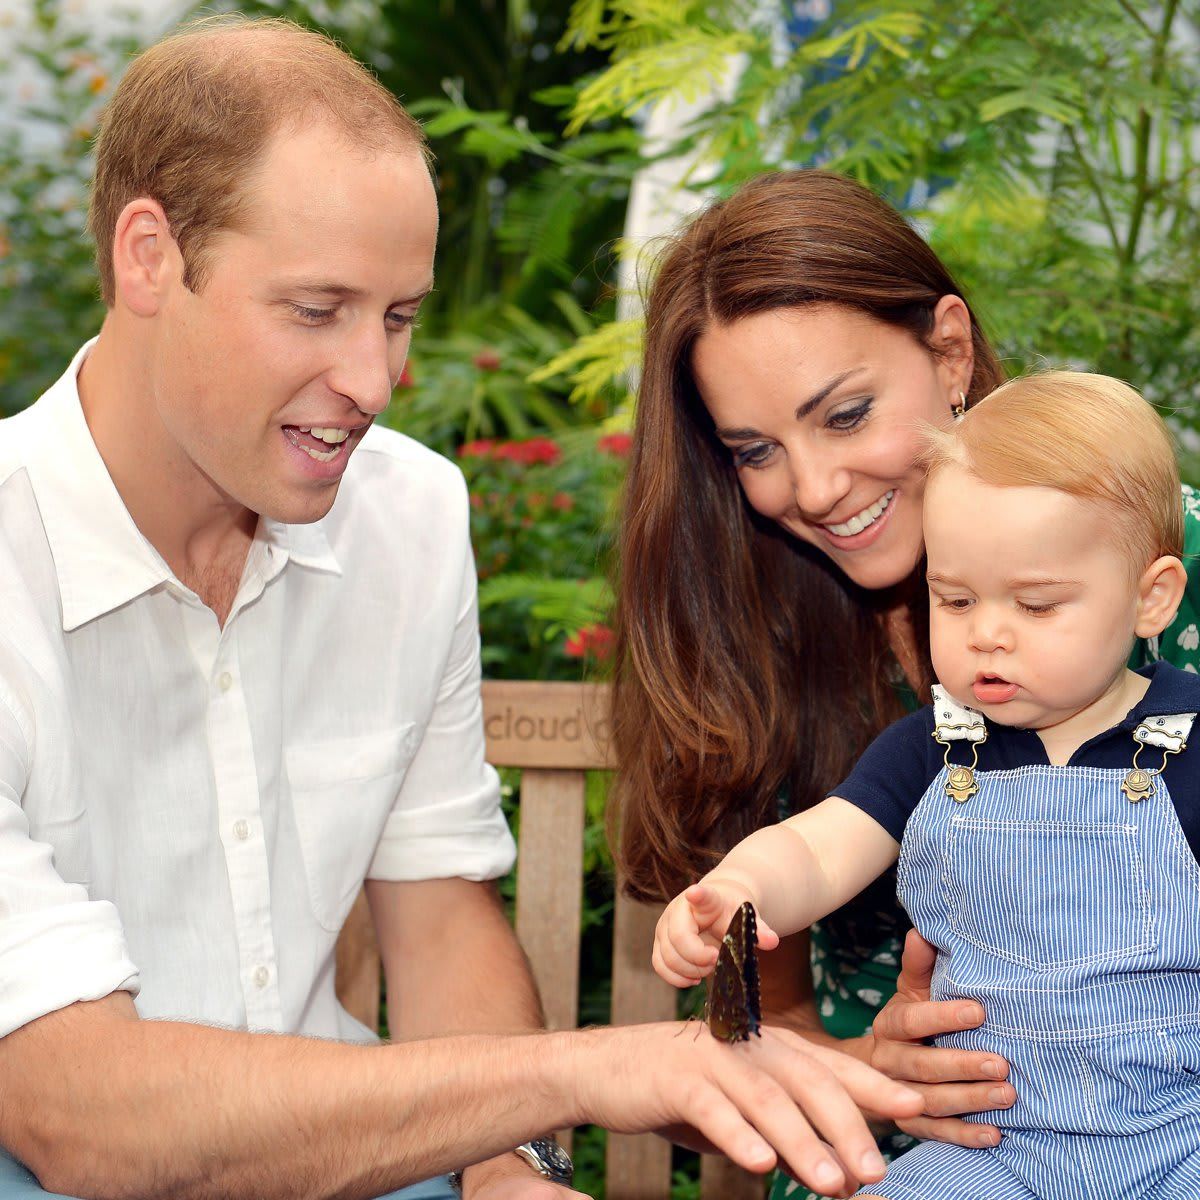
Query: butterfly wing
<point x="734" y="1005"/>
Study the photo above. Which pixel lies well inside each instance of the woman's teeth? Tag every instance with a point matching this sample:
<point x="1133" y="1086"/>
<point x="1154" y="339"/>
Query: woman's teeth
<point x="868" y="516"/>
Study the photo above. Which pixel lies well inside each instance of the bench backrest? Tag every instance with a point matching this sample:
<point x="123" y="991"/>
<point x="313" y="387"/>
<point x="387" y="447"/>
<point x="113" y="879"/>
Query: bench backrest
<point x="556" y="732"/>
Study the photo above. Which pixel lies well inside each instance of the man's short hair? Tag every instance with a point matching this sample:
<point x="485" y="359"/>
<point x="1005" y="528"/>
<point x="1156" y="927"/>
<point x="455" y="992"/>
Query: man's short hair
<point x="1090" y="436"/>
<point x="192" y="116"/>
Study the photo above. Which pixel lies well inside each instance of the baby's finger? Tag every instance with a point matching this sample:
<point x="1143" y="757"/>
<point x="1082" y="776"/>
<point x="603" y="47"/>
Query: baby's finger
<point x="676" y="978"/>
<point x="690" y="962"/>
<point x="768" y="939"/>
<point x="707" y="904"/>
<point x="685" y="936"/>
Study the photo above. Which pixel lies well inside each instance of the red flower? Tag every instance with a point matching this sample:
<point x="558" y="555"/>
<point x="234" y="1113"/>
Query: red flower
<point x="596" y="640"/>
<point x="616" y="444"/>
<point x="487" y="360"/>
<point x="562" y="501"/>
<point x="535" y="450"/>
<point x="406" y="379"/>
<point x="481" y="448"/>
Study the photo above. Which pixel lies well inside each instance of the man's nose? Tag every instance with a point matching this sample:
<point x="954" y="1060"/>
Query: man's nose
<point x="363" y="372"/>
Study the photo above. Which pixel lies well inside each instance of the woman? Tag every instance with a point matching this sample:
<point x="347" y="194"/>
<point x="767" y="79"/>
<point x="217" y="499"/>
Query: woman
<point x="772" y="608"/>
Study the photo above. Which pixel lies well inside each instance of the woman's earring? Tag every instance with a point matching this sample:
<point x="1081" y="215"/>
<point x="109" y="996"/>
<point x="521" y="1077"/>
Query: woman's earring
<point x="957" y="410"/>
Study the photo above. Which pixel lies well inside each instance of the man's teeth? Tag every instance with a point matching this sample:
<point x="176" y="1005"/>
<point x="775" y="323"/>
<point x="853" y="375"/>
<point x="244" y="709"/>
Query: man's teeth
<point x="860" y="521"/>
<point x="333" y="437"/>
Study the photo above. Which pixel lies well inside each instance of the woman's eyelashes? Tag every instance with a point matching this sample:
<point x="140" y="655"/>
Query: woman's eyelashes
<point x="844" y="420"/>
<point x="754" y="455"/>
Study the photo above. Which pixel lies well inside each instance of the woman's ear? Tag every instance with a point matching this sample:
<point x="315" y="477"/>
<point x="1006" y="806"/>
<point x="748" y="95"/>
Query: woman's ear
<point x="143" y="255"/>
<point x="951" y="340"/>
<point x="1160" y="591"/>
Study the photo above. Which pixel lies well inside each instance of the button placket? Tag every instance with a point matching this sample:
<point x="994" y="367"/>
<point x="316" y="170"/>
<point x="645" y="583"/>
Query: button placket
<point x="239" y="814"/>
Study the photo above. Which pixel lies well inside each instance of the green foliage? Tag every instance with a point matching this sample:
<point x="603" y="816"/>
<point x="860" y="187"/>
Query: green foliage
<point x="1060" y="143"/>
<point x="49" y="301"/>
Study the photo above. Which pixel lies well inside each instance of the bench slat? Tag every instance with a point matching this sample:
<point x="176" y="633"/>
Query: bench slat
<point x="637" y="1167"/>
<point x="550" y="887"/>
<point x="721" y="1179"/>
<point x="546" y="725"/>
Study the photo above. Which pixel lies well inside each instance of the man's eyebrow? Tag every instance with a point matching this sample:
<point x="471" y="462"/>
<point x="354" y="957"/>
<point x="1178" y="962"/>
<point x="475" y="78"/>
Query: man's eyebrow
<point x="345" y="291"/>
<point x="745" y="434"/>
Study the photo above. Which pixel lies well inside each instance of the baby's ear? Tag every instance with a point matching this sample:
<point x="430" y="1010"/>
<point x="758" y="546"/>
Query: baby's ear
<point x="1160" y="591"/>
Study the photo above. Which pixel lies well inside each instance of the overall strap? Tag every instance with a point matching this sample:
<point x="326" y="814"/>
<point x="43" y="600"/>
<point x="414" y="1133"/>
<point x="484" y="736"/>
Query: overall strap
<point x="954" y="722"/>
<point x="1168" y="733"/>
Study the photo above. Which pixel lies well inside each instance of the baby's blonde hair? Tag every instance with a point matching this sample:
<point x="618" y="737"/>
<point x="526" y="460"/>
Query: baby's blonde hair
<point x="1090" y="436"/>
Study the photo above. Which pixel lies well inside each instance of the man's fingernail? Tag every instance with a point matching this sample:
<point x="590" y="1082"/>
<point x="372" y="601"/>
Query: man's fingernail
<point x="758" y="1152"/>
<point x="1000" y="1097"/>
<point x="871" y="1163"/>
<point x="968" y="1014"/>
<point x="827" y="1175"/>
<point x="988" y="1137"/>
<point x="993" y="1069"/>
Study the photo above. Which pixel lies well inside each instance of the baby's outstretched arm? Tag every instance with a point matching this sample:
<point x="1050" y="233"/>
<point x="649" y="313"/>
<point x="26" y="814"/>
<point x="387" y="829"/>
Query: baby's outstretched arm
<point x="793" y="873"/>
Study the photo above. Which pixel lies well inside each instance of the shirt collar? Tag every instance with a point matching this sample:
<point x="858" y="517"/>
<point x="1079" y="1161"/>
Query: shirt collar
<point x="1171" y="691"/>
<point x="100" y="556"/>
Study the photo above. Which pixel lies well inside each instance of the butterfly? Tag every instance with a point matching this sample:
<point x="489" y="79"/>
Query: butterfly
<point x="734" y="1009"/>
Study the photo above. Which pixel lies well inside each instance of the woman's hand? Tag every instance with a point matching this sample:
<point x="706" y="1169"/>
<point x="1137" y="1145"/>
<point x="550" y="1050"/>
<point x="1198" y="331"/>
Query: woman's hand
<point x="691" y="927"/>
<point x="951" y="1081"/>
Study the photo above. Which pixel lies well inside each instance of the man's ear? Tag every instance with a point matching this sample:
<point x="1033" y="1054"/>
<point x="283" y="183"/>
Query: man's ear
<point x="1160" y="591"/>
<point x="951" y="338"/>
<point x="145" y="256"/>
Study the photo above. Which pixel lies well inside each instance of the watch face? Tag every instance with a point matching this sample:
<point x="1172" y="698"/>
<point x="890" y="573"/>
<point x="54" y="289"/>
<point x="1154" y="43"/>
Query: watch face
<point x="548" y="1157"/>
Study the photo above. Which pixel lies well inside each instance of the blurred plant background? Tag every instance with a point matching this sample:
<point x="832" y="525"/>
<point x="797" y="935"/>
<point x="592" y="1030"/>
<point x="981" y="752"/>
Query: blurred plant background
<point x="1048" y="151"/>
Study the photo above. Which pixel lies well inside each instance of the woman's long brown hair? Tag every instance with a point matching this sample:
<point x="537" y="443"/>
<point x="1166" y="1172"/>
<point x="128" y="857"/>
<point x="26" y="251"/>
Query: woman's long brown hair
<point x="746" y="662"/>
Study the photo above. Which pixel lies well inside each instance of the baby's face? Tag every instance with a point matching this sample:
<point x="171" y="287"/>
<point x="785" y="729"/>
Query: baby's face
<point x="1032" y="604"/>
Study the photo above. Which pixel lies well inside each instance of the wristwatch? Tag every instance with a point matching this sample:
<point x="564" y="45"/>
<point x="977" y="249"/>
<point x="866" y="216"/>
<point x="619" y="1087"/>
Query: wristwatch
<point x="544" y="1155"/>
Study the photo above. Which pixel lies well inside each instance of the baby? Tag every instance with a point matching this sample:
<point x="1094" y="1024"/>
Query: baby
<point x="1044" y="809"/>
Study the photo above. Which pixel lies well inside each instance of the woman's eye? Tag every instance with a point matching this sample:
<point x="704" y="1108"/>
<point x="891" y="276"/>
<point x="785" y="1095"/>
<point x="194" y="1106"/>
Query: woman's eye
<point x="315" y="316"/>
<point x="752" y="456"/>
<point x="846" y="419"/>
<point x="403" y="320"/>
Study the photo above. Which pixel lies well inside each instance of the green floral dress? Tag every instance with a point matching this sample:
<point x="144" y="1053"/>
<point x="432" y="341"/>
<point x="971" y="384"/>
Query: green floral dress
<point x="856" y="951"/>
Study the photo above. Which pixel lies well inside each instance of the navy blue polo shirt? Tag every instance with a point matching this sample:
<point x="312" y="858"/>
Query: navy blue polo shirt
<point x="897" y="768"/>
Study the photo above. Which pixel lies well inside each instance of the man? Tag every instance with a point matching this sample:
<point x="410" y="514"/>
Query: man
<point x="226" y="701"/>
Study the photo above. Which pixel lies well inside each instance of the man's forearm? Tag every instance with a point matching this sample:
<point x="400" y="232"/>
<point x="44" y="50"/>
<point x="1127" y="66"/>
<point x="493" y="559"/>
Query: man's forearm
<point x="112" y="1106"/>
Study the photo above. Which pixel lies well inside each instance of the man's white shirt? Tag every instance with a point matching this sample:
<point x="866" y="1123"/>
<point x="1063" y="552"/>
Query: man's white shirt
<point x="186" y="812"/>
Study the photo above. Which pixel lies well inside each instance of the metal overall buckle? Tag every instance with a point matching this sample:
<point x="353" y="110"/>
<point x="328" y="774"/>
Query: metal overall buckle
<point x="958" y="724"/>
<point x="1169" y="734"/>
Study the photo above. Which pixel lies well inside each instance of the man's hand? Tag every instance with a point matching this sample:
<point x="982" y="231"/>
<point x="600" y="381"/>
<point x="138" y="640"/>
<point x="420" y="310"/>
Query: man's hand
<point x="511" y="1178"/>
<point x="772" y="1099"/>
<point x="948" y="1080"/>
<point x="691" y="927"/>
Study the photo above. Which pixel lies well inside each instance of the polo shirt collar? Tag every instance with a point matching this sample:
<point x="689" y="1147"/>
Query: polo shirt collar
<point x="1171" y="691"/>
<point x="101" y="558"/>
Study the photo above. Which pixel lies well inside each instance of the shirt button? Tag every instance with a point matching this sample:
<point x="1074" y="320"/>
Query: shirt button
<point x="224" y="681"/>
<point x="261" y="977"/>
<point x="241" y="830"/>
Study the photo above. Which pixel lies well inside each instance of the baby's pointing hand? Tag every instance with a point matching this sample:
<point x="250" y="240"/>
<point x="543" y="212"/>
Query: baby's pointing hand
<point x="691" y="928"/>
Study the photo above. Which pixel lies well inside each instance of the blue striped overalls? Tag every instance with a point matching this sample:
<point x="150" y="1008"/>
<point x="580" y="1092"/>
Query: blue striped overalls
<point x="1072" y="912"/>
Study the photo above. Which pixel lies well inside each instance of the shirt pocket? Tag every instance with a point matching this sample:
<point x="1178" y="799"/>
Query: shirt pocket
<point x="1048" y="895"/>
<point x="342" y="792"/>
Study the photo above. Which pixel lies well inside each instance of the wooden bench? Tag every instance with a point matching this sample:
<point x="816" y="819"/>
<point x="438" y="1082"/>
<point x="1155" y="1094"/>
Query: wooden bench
<point x="556" y="732"/>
